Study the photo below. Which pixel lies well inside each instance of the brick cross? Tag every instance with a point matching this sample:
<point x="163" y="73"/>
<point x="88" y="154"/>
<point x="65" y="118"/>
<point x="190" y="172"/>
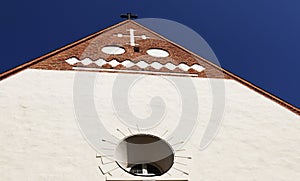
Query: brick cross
<point x="131" y="36"/>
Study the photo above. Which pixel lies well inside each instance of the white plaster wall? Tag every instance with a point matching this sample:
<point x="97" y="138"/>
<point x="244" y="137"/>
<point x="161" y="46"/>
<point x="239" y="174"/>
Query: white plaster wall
<point x="40" y="138"/>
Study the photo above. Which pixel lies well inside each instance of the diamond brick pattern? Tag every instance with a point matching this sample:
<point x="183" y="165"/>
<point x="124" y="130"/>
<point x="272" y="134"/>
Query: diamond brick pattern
<point x="86" y="61"/>
<point x="141" y="64"/>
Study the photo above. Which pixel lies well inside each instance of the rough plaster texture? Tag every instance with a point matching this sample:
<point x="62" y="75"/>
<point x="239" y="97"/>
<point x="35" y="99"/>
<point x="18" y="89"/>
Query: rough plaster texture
<point x="40" y="138"/>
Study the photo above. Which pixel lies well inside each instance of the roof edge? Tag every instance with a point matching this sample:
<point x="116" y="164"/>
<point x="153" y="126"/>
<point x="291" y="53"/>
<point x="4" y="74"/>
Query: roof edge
<point x="23" y="66"/>
<point x="265" y="93"/>
<point x="274" y="98"/>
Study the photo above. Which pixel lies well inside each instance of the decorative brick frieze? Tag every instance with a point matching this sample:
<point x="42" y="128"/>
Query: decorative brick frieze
<point x="90" y="48"/>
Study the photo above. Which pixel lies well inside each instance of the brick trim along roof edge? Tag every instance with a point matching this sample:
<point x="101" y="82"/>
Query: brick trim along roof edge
<point x="227" y="73"/>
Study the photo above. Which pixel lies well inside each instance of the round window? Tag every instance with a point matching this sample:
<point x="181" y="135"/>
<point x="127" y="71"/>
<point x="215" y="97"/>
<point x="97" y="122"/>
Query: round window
<point x="113" y="50"/>
<point x="144" y="155"/>
<point x="155" y="52"/>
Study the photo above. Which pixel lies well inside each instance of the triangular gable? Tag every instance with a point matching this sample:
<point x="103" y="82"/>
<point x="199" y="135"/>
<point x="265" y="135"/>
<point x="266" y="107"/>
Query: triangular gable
<point x="87" y="55"/>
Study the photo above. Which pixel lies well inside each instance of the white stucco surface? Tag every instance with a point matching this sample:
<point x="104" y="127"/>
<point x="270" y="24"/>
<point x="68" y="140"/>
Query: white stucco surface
<point x="40" y="138"/>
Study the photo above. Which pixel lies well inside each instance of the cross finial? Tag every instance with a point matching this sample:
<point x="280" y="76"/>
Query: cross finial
<point x="129" y="16"/>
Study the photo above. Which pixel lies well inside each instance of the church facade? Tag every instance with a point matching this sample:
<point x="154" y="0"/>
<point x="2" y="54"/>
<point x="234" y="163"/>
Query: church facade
<point x="126" y="103"/>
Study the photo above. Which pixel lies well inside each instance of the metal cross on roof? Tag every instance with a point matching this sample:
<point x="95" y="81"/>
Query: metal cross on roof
<point x="129" y="16"/>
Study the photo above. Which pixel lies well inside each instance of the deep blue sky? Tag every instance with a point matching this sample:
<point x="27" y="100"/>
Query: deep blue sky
<point x="257" y="40"/>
